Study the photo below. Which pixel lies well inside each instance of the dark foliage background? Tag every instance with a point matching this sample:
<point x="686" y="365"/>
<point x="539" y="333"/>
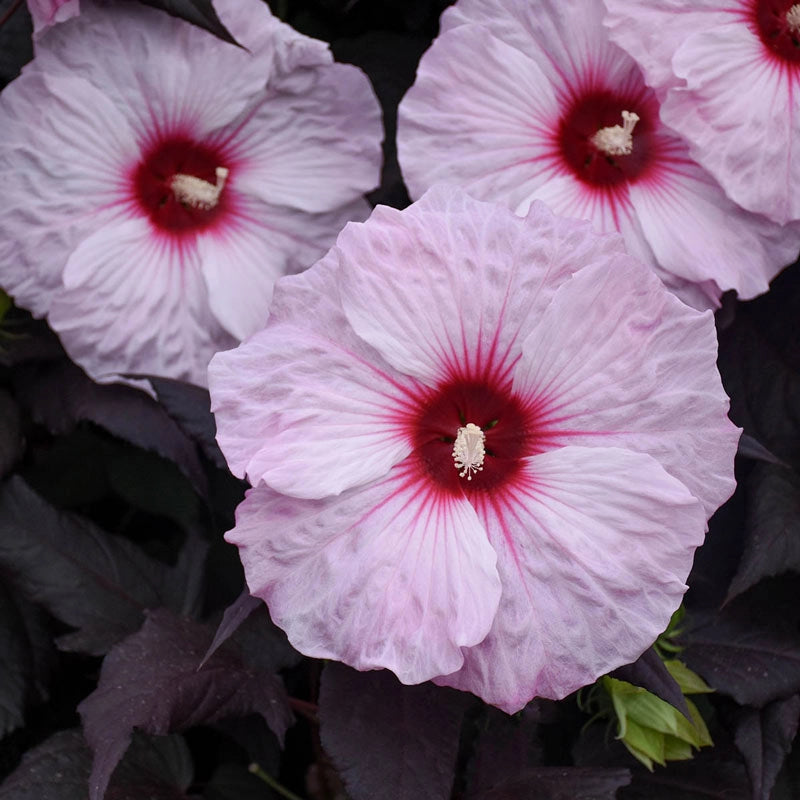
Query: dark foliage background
<point x="117" y="584"/>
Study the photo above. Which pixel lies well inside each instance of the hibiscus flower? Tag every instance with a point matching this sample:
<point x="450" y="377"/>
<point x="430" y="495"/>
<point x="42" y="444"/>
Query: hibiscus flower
<point x="730" y="75"/>
<point x="483" y="449"/>
<point x="553" y="110"/>
<point x="157" y="180"/>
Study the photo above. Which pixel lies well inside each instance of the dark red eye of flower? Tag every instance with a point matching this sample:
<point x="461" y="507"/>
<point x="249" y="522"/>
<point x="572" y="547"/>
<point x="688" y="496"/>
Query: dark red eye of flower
<point x="508" y="425"/>
<point x="595" y="122"/>
<point x="177" y="184"/>
<point x="777" y="23"/>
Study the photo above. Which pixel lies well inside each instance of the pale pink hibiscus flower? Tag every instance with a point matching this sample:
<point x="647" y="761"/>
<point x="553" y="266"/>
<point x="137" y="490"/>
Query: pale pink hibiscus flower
<point x="156" y="180"/>
<point x="49" y="12"/>
<point x="517" y="101"/>
<point x="483" y="449"/>
<point x="729" y="73"/>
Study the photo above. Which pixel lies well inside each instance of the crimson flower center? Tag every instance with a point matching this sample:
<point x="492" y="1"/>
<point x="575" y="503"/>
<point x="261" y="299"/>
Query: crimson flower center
<point x="470" y="436"/>
<point x="180" y="185"/>
<point x="777" y="23"/>
<point x="606" y="138"/>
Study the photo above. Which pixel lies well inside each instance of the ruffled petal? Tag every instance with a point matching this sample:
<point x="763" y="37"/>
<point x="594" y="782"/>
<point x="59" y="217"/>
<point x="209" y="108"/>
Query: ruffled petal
<point x="616" y="361"/>
<point x="391" y="575"/>
<point x="258" y="244"/>
<point x="63" y="162"/>
<point x="314" y="142"/>
<point x="135" y="302"/>
<point x="562" y="36"/>
<point x="466" y="121"/>
<point x="693" y="227"/>
<point x="473" y="281"/>
<point x="740" y="114"/>
<point x="176" y="78"/>
<point x="305" y="405"/>
<point x="593" y="547"/>
<point x="653" y="30"/>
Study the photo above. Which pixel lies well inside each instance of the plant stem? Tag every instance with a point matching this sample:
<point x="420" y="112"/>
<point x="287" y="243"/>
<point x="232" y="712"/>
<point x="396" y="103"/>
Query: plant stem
<point x="272" y="783"/>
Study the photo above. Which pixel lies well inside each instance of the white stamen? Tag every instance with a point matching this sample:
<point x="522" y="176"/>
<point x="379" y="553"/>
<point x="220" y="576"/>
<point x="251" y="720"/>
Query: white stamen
<point x="197" y="193"/>
<point x="617" y="139"/>
<point x="468" y="450"/>
<point x="793" y="19"/>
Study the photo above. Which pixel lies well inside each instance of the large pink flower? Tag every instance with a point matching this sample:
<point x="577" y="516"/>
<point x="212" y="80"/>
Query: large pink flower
<point x="553" y="110"/>
<point x="156" y="181"/>
<point x="730" y="76"/>
<point x="484" y="449"/>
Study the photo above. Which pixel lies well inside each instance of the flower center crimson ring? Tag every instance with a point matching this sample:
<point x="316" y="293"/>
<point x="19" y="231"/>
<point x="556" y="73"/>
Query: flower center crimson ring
<point x="472" y="427"/>
<point x="181" y="185"/>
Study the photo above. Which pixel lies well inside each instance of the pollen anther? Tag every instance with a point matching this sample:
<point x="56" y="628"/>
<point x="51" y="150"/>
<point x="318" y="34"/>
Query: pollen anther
<point x="469" y="450"/>
<point x="197" y="193"/>
<point x="793" y="19"/>
<point x="617" y="140"/>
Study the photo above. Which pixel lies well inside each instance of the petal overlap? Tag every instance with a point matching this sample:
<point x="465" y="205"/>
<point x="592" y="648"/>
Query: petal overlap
<point x="392" y="575"/>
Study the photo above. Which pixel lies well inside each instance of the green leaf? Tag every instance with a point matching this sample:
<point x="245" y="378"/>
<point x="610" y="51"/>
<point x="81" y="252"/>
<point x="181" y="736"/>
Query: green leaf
<point x="689" y="681"/>
<point x="645" y="744"/>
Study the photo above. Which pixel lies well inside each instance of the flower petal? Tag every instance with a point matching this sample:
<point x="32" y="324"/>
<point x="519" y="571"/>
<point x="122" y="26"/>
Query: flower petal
<point x="136" y="303"/>
<point x="653" y="30"/>
<point x="746" y="139"/>
<point x="305" y="405"/>
<point x="462" y="122"/>
<point x="314" y="143"/>
<point x="64" y="155"/>
<point x="692" y="225"/>
<point x="474" y="279"/>
<point x="258" y="244"/>
<point x="391" y="575"/>
<point x="176" y="77"/>
<point x="594" y="546"/>
<point x="616" y="361"/>
<point x="560" y="35"/>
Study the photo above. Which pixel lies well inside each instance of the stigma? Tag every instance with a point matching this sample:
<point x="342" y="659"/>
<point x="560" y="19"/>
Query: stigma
<point x="793" y="19"/>
<point x="469" y="450"/>
<point x="617" y="140"/>
<point x="197" y="193"/>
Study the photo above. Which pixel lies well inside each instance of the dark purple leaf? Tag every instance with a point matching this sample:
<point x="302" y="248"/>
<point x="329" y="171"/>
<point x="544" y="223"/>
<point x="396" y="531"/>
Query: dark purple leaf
<point x="263" y="643"/>
<point x="787" y="785"/>
<point x="16" y="47"/>
<point x="11" y="442"/>
<point x="58" y="769"/>
<point x="26" y="657"/>
<point x="151" y="681"/>
<point x="764" y="388"/>
<point x="55" y="770"/>
<point x="751" y="649"/>
<point x="390" y="60"/>
<point x="235" y="614"/>
<point x="59" y="395"/>
<point x="232" y="782"/>
<point x="751" y="448"/>
<point x="700" y="778"/>
<point x="389" y="741"/>
<point x="561" y="783"/>
<point x="155" y="768"/>
<point x="764" y="737"/>
<point x="95" y="582"/>
<point x="650" y="673"/>
<point x="772" y="526"/>
<point x="505" y="748"/>
<point x="190" y="407"/>
<point x="198" y="12"/>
